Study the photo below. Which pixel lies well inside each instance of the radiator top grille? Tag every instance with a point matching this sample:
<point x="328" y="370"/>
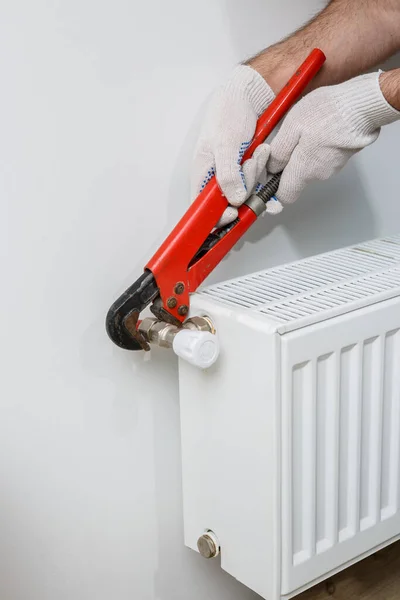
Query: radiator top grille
<point x="314" y="289"/>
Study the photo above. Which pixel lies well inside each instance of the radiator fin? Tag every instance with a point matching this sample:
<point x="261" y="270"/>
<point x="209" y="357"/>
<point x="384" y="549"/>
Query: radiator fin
<point x="391" y="427"/>
<point x="311" y="290"/>
<point x="350" y="437"/>
<point x="303" y="458"/>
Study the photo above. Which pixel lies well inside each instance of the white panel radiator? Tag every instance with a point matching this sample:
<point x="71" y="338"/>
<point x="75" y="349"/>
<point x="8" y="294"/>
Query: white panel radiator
<point x="290" y="442"/>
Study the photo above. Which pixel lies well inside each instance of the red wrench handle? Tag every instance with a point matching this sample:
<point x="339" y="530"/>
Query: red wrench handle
<point x="170" y="264"/>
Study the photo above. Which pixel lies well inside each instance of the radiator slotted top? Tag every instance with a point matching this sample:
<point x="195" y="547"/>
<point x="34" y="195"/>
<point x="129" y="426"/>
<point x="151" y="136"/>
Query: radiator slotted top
<point x="316" y="288"/>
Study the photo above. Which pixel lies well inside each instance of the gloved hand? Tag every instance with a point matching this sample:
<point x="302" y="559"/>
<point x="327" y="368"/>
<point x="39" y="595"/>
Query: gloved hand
<point x="324" y="129"/>
<point x="227" y="132"/>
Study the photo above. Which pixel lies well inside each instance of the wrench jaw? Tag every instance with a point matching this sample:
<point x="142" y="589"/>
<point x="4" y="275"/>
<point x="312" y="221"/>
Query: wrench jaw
<point x="131" y="325"/>
<point x="122" y="317"/>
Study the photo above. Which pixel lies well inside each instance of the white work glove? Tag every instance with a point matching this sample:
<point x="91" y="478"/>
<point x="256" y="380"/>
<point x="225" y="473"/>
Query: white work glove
<point x="324" y="129"/>
<point x="227" y="132"/>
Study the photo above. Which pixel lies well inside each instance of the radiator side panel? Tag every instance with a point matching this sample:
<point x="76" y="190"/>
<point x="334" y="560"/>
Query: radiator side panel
<point x="230" y="450"/>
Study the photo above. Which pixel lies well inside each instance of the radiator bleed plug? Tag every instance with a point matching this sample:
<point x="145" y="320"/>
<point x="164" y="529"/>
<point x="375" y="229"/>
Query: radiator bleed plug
<point x="196" y="341"/>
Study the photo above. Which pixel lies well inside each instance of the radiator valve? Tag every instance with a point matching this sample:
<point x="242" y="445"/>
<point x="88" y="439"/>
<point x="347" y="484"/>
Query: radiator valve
<point x="196" y="341"/>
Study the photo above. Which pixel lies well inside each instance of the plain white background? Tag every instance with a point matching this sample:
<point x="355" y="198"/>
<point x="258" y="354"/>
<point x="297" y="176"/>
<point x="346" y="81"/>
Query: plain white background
<point x="101" y="104"/>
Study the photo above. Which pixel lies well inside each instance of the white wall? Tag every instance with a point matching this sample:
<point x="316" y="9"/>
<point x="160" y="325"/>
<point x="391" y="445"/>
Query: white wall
<point x="100" y="107"/>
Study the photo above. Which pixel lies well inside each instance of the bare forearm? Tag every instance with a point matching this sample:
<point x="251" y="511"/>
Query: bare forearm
<point x="355" y="35"/>
<point x="390" y="85"/>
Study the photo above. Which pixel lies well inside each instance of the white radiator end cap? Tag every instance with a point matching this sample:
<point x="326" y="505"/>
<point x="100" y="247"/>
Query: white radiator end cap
<point x="199" y="348"/>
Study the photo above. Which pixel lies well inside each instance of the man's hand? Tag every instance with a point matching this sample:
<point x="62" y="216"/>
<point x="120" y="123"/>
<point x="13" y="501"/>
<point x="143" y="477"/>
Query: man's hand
<point x="325" y="129"/>
<point x="226" y="134"/>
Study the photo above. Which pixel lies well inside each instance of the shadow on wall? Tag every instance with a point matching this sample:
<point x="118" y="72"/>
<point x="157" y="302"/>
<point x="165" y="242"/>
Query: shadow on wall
<point x="327" y="215"/>
<point x="391" y="63"/>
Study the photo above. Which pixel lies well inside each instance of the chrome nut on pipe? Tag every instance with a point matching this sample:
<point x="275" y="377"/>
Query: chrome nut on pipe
<point x="157" y="332"/>
<point x="199" y="324"/>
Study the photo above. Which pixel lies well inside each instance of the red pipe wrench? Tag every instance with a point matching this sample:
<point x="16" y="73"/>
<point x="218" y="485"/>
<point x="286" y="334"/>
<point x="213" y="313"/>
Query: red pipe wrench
<point x="194" y="248"/>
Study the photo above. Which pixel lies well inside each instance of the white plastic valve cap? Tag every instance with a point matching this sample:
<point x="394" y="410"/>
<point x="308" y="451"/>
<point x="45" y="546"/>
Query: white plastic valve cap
<point x="200" y="348"/>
